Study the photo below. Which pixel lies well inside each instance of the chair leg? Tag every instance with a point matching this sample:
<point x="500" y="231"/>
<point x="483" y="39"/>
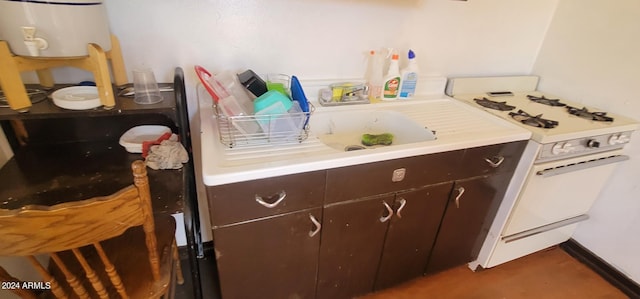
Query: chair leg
<point x="176" y="259"/>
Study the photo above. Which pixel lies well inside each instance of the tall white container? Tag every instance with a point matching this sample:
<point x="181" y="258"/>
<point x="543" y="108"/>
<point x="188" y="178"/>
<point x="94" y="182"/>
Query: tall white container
<point x="60" y="28"/>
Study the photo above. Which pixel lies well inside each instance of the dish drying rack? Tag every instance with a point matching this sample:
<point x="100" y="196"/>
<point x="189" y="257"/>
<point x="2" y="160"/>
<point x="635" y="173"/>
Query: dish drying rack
<point x="232" y="137"/>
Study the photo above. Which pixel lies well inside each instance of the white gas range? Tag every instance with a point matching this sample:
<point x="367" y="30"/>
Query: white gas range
<point x="571" y="154"/>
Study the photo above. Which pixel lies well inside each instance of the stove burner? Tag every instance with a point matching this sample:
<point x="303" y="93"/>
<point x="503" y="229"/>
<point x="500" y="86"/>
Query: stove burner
<point x="584" y="113"/>
<point x="545" y="101"/>
<point x="534" y="121"/>
<point x="502" y="106"/>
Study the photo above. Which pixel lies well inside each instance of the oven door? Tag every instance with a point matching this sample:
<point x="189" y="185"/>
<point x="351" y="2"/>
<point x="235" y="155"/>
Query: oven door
<point x="560" y="193"/>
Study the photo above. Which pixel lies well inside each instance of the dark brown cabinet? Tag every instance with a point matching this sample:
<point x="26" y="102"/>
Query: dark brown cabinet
<point x="377" y="242"/>
<point x="275" y="257"/>
<point x="266" y="235"/>
<point x="352" y="240"/>
<point x="473" y="203"/>
<point x="462" y="223"/>
<point x="348" y="231"/>
<point x="380" y="221"/>
<point x="411" y="234"/>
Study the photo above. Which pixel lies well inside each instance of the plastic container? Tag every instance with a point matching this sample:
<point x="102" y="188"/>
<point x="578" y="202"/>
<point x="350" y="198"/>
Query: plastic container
<point x="133" y="138"/>
<point x="269" y="99"/>
<point x="391" y="86"/>
<point x="409" y="77"/>
<point x="232" y="85"/>
<point x="253" y="83"/>
<point x="279" y="82"/>
<point x="278" y="125"/>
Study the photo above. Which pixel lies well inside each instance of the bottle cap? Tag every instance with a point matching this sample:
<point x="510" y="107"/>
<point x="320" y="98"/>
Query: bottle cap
<point x="394" y="56"/>
<point x="411" y="54"/>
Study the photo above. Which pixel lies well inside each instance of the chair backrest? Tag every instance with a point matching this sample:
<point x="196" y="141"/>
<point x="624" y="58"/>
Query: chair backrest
<point x="33" y="230"/>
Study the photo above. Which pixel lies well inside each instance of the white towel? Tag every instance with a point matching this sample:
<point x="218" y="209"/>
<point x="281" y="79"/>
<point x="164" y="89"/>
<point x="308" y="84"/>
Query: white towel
<point x="169" y="154"/>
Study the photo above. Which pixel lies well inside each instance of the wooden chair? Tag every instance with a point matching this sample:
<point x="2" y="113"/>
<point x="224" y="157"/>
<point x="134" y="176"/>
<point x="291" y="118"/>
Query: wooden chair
<point x="103" y="247"/>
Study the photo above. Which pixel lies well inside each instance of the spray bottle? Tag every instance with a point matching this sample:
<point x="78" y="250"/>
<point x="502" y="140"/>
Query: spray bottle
<point x="391" y="86"/>
<point x="409" y="77"/>
<point x="374" y="76"/>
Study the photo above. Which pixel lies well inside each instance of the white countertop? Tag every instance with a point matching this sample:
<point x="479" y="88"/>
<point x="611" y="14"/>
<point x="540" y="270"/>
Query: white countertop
<point x="457" y="126"/>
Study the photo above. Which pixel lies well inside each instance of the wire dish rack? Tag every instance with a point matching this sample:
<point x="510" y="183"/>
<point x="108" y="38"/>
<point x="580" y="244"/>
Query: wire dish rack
<point x="255" y="130"/>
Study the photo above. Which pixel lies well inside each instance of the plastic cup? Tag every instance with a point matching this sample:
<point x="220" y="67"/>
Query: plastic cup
<point x="146" y="87"/>
<point x="279" y="82"/>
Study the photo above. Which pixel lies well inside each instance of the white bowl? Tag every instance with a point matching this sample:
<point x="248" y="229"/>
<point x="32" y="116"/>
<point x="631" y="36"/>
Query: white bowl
<point x="77" y="97"/>
<point x="132" y="139"/>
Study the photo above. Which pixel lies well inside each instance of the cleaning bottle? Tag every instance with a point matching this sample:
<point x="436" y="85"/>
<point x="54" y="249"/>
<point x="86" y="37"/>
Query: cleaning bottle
<point x="391" y="84"/>
<point x="409" y="77"/>
<point x="374" y="76"/>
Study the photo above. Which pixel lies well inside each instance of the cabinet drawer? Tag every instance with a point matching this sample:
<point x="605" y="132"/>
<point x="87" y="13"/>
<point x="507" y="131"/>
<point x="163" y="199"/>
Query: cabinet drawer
<point x="255" y="199"/>
<point x="364" y="180"/>
<point x="498" y="158"/>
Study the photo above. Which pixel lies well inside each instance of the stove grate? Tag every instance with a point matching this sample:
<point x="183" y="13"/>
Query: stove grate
<point x="534" y="121"/>
<point x="585" y="113"/>
<point x="502" y="106"/>
<point x="545" y="101"/>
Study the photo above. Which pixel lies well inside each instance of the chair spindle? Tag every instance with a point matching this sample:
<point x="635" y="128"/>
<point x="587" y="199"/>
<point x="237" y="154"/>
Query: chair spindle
<point x="91" y="275"/>
<point x="111" y="271"/>
<point x="71" y="279"/>
<point x="55" y="287"/>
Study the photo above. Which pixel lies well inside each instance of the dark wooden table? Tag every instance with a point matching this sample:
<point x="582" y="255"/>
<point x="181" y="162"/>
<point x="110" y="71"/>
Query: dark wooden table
<point x="53" y="174"/>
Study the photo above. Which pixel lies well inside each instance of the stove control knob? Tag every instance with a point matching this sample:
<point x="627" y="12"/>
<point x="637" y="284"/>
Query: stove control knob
<point x="618" y="139"/>
<point x="592" y="143"/>
<point x="562" y="148"/>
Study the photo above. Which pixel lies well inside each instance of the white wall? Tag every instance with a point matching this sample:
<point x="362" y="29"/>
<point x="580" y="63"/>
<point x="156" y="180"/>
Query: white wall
<point x="591" y="54"/>
<point x="329" y="38"/>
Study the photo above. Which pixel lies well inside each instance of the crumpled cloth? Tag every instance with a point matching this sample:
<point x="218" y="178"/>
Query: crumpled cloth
<point x="169" y="154"/>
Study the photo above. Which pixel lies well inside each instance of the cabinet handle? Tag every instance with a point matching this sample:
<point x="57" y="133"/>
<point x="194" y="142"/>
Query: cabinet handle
<point x="316" y="223"/>
<point x="385" y="218"/>
<point x="403" y="202"/>
<point x="499" y="160"/>
<point x="460" y="192"/>
<point x="281" y="197"/>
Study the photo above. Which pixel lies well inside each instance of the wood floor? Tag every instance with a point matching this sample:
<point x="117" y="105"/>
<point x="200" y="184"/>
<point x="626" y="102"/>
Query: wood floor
<point x="548" y="274"/>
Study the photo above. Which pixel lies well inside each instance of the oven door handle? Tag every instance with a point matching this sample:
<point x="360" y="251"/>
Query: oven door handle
<point x="580" y="166"/>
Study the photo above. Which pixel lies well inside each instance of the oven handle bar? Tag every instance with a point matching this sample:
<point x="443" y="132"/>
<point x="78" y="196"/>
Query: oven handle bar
<point x="544" y="228"/>
<point x="580" y="166"/>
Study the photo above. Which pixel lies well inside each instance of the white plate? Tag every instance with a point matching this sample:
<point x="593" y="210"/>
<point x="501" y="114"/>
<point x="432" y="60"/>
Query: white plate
<point x="77" y="97"/>
<point x="133" y="138"/>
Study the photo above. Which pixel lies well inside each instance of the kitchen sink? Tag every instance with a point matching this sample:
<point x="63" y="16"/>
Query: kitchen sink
<point x="343" y="130"/>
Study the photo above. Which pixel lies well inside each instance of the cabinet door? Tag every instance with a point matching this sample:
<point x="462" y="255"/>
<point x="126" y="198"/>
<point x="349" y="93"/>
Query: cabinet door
<point x="352" y="238"/>
<point x="411" y="234"/>
<point x="269" y="258"/>
<point x="470" y="210"/>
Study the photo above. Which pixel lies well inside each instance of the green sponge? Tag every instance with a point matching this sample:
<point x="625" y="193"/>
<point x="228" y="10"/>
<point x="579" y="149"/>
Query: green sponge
<point x="375" y="139"/>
